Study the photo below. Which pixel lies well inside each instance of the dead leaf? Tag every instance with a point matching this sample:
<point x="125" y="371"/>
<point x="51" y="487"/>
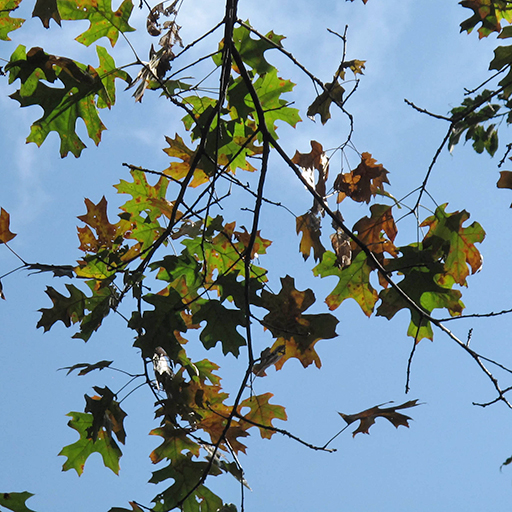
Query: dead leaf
<point x="309" y="225"/>
<point x="5" y="233"/>
<point x="368" y="417"/>
<point x="334" y="92"/>
<point x="362" y="183"/>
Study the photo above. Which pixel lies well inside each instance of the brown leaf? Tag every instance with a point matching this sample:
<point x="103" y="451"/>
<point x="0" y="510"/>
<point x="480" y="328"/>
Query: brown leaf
<point x="5" y="234"/>
<point x="362" y="183"/>
<point x="308" y="162"/>
<point x="334" y="92"/>
<point x="309" y="225"/>
<point x="368" y="417"/>
<point x="340" y="242"/>
<point x="505" y="180"/>
<point x="378" y="232"/>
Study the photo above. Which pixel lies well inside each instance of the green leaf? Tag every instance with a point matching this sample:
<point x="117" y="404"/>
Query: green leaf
<point x="77" y="453"/>
<point x="185" y="473"/>
<point x="8" y="24"/>
<point x="262" y="412"/>
<point x="161" y="325"/>
<point x="87" y="367"/>
<point x="454" y="244"/>
<point x="221" y="325"/>
<point x="72" y="98"/>
<point x="354" y="282"/>
<point x="252" y="50"/>
<point x="66" y="309"/>
<point x="176" y="441"/>
<point x="286" y="321"/>
<point x="422" y="283"/>
<point x="15" y="501"/>
<point x="103" y="21"/>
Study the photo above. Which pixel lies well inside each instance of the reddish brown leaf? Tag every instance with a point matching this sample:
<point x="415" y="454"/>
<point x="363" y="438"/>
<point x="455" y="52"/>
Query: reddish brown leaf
<point x="367" y="418"/>
<point x="5" y="234"/>
<point x="362" y="183"/>
<point x="372" y="230"/>
<point x="97" y="218"/>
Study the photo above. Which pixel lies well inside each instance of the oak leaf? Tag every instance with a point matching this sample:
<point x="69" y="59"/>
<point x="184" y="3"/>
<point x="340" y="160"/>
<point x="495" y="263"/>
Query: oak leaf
<point x="5" y="233"/>
<point x="363" y="182"/>
<point x="354" y="281"/>
<point x="8" y="24"/>
<point x="367" y="418"/>
<point x="15" y="501"/>
<point x="333" y="93"/>
<point x="505" y="180"/>
<point x="309" y="225"/>
<point x="262" y="412"/>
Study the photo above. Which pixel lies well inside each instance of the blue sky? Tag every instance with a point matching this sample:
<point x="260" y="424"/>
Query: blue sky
<point x="450" y="456"/>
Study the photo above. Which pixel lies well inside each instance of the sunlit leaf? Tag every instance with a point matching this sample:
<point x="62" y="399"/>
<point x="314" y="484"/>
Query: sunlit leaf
<point x="262" y="412"/>
<point x="8" y="24"/>
<point x="78" y="452"/>
<point x="103" y="21"/>
<point x="15" y="501"/>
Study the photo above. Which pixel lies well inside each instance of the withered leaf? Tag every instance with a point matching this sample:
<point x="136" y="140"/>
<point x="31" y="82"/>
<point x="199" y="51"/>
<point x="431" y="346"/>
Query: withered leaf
<point x="362" y="183"/>
<point x="308" y="162"/>
<point x="505" y="180"/>
<point x="268" y="357"/>
<point x="367" y="418"/>
<point x="334" y="92"/>
<point x="340" y="242"/>
<point x="309" y="225"/>
<point x="5" y="233"/>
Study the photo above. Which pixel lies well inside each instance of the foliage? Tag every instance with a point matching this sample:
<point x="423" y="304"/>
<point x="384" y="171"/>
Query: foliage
<point x="186" y="273"/>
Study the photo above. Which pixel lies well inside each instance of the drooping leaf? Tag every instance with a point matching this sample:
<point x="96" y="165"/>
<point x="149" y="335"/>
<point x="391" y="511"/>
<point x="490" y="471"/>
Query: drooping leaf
<point x="103" y="21"/>
<point x="46" y="10"/>
<point x="78" y="452"/>
<point x="262" y="412"/>
<point x="58" y="270"/>
<point x="309" y="225"/>
<point x="367" y="418"/>
<point x="87" y="367"/>
<point x="363" y="182"/>
<point x="5" y="233"/>
<point x="505" y="180"/>
<point x="8" y="24"/>
<point x="15" y="501"/>
<point x="322" y="104"/>
<point x="354" y="281"/>
<point x="107" y="415"/>
<point x="341" y="243"/>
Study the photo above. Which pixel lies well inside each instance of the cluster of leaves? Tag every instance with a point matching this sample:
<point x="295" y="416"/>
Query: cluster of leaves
<point x="192" y="275"/>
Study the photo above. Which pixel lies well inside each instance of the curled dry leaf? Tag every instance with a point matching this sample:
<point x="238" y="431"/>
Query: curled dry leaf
<point x="362" y="183"/>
